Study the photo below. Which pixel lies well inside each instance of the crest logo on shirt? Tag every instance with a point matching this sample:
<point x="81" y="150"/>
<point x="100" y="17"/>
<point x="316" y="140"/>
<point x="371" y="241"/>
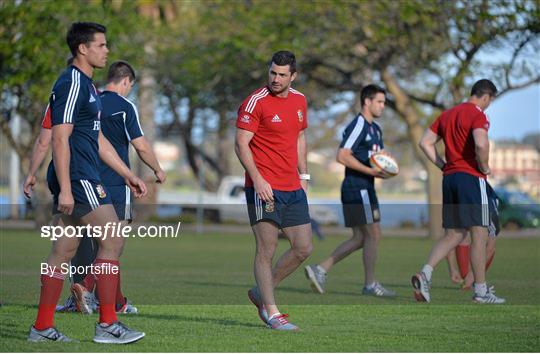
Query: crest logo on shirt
<point x="244" y="118"/>
<point x="276" y="119"/>
<point x="100" y="191"/>
<point x="269" y="206"/>
<point x="300" y="115"/>
<point x="368" y="137"/>
<point x="92" y="99"/>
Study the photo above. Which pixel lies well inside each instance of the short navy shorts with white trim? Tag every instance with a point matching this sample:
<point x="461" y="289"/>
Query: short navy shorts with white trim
<point x="87" y="196"/>
<point x="121" y="199"/>
<point x="469" y="201"/>
<point x="360" y="206"/>
<point x="290" y="208"/>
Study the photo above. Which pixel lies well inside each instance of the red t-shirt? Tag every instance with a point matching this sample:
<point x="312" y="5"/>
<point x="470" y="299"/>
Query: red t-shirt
<point x="46" y="123"/>
<point x="276" y="122"/>
<point x="455" y="127"/>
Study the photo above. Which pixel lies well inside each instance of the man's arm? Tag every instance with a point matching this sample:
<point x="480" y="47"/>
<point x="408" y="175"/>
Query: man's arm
<point x="481" y="143"/>
<point x="241" y="147"/>
<point x="108" y="155"/>
<point x="427" y="145"/>
<point x="346" y="158"/>
<point x="41" y="147"/>
<point x="146" y="153"/>
<point x="61" y="158"/>
<point x="302" y="158"/>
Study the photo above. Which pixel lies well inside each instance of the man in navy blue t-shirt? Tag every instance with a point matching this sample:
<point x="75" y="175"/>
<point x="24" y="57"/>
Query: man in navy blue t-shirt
<point x="78" y="193"/>
<point x="361" y="139"/>
<point x="120" y="125"/>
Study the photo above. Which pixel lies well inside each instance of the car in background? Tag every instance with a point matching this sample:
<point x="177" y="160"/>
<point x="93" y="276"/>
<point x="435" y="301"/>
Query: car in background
<point x="517" y="209"/>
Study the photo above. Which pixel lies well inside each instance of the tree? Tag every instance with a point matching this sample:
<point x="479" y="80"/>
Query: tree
<point x="427" y="54"/>
<point x="33" y="53"/>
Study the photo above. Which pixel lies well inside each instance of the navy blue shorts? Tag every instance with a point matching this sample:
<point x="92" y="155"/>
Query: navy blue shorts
<point x="121" y="199"/>
<point x="288" y="209"/>
<point x="360" y="206"/>
<point x="87" y="195"/>
<point x="469" y="201"/>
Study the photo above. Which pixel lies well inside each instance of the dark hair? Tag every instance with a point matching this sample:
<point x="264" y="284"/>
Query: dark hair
<point x="119" y="70"/>
<point x="69" y="61"/>
<point x="284" y="57"/>
<point x="82" y="33"/>
<point x="484" y="87"/>
<point x="370" y="91"/>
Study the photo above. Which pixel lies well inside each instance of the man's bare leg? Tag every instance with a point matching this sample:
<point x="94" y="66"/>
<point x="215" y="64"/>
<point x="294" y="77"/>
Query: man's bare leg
<point x="372" y="237"/>
<point x="301" y="247"/>
<point x="266" y="239"/>
<point x="344" y="249"/>
<point x="479" y="237"/>
<point x="453" y="268"/>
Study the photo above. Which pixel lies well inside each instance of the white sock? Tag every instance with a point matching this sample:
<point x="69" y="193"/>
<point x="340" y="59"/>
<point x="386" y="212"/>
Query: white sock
<point x="372" y="285"/>
<point x="427" y="270"/>
<point x="321" y="269"/>
<point x="274" y="315"/>
<point x="480" y="289"/>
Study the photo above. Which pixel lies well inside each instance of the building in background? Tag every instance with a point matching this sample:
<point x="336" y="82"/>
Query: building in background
<point x="516" y="165"/>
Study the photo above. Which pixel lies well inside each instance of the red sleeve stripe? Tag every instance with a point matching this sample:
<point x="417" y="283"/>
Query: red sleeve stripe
<point x="253" y="100"/>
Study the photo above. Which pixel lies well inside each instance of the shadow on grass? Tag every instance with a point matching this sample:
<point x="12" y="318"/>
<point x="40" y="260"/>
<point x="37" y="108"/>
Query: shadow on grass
<point x="192" y="319"/>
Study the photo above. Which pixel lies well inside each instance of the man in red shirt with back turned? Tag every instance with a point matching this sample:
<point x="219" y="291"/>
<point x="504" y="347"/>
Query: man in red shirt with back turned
<point x="271" y="145"/>
<point x="469" y="203"/>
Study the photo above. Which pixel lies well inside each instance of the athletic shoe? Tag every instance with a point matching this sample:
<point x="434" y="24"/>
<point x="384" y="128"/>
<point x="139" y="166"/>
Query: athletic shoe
<point x="317" y="278"/>
<point x="421" y="287"/>
<point x="489" y="298"/>
<point x="280" y="323"/>
<point x="255" y="297"/>
<point x="83" y="298"/>
<point x="50" y="334"/>
<point x="69" y="305"/>
<point x="116" y="333"/>
<point x="377" y="290"/>
<point x="128" y="308"/>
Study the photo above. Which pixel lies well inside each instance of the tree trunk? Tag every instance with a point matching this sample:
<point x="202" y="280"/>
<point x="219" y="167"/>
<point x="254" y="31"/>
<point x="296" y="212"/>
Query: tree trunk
<point x="147" y="97"/>
<point x="406" y="110"/>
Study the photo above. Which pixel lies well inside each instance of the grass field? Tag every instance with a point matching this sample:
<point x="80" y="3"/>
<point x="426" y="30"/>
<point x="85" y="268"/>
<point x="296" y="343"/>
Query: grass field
<point x="191" y="295"/>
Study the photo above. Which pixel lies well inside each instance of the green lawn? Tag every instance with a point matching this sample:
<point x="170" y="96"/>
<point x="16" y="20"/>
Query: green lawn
<point x="191" y="294"/>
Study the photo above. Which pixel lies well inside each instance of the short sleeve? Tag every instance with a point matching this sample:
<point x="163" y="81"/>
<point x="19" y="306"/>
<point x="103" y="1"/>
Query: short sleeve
<point x="66" y="101"/>
<point x="305" y="113"/>
<point x="353" y="133"/>
<point x="249" y="115"/>
<point x="480" y="121"/>
<point x="132" y="123"/>
<point x="46" y="123"/>
<point x="435" y="126"/>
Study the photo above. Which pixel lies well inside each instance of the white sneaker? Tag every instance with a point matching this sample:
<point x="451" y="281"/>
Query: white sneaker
<point x="317" y="278"/>
<point x="489" y="298"/>
<point x="421" y="287"/>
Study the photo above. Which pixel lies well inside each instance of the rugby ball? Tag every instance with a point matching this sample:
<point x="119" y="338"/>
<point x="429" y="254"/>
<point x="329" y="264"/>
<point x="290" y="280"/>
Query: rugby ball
<point x="384" y="162"/>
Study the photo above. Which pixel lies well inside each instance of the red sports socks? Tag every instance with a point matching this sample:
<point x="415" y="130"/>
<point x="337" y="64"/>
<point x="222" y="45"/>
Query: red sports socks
<point x="51" y="288"/>
<point x="107" y="282"/>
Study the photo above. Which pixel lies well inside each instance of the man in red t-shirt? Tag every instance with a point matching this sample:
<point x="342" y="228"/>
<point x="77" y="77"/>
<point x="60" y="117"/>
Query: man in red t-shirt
<point x="469" y="203"/>
<point x="271" y="145"/>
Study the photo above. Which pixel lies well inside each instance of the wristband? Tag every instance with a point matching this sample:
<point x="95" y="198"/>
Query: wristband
<point x="305" y="177"/>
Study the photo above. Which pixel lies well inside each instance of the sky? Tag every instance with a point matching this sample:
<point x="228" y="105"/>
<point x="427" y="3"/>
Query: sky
<point x="515" y="114"/>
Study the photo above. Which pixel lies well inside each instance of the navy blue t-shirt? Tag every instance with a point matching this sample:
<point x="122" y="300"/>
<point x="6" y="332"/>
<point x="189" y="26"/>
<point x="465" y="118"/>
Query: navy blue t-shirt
<point x="119" y="124"/>
<point x="364" y="139"/>
<point x="74" y="100"/>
